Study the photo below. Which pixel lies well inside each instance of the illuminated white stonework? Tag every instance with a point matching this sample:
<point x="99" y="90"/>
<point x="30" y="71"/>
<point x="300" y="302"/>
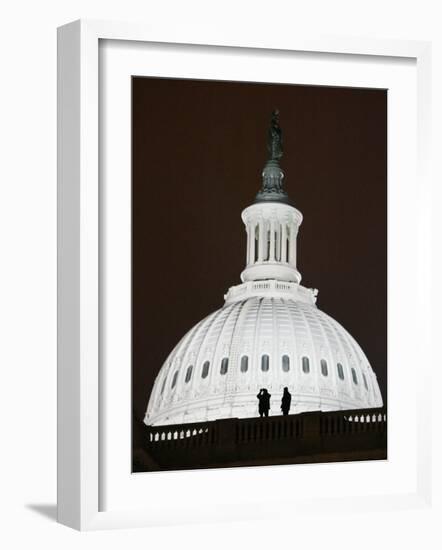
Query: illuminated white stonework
<point x="269" y="334"/>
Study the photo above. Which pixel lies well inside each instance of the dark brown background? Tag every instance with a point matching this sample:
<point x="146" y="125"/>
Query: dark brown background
<point x="198" y="151"/>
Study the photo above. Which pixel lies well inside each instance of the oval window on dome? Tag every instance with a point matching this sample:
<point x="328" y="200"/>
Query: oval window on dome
<point x="285" y="363"/>
<point x="340" y="371"/>
<point x="244" y="363"/>
<point x="163" y="386"/>
<point x="224" y="365"/>
<point x="205" y="370"/>
<point x="265" y="363"/>
<point x="174" y="379"/>
<point x="365" y="381"/>
<point x="353" y="375"/>
<point x="188" y="374"/>
<point x="305" y="365"/>
<point x="324" y="367"/>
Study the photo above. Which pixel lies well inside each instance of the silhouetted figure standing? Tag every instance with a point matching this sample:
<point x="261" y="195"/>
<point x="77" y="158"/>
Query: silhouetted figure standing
<point x="264" y="402"/>
<point x="286" y="401"/>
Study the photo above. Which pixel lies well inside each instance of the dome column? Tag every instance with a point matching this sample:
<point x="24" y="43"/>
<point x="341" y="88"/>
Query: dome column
<point x="292" y="244"/>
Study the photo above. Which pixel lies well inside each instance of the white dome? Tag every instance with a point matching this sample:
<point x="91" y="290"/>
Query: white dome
<point x="269" y="334"/>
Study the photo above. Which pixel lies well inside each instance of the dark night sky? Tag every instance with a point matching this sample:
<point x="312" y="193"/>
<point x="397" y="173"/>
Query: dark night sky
<point x="198" y="151"/>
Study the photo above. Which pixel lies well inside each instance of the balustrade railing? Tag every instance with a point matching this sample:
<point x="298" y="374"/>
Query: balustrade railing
<point x="269" y="429"/>
<point x="274" y="428"/>
<point x="201" y="433"/>
<point x="347" y="422"/>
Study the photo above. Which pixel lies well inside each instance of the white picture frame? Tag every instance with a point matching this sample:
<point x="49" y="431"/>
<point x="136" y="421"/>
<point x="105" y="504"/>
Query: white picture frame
<point x="79" y="321"/>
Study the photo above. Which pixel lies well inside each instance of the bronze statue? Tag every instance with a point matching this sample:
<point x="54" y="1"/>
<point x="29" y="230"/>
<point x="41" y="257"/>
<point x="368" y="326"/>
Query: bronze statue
<point x="274" y="143"/>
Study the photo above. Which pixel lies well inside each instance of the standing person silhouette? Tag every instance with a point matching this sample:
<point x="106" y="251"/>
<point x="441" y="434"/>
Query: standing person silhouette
<point x="264" y="402"/>
<point x="286" y="401"/>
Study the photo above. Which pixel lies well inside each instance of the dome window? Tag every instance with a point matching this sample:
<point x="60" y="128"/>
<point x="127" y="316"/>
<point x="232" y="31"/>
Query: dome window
<point x="224" y="365"/>
<point x="365" y="381"/>
<point x="175" y="376"/>
<point x="305" y="365"/>
<point x="265" y="363"/>
<point x="163" y="385"/>
<point x="205" y="370"/>
<point x="244" y="363"/>
<point x="188" y="374"/>
<point x="324" y="367"/>
<point x="353" y="375"/>
<point x="285" y="363"/>
<point x="340" y="371"/>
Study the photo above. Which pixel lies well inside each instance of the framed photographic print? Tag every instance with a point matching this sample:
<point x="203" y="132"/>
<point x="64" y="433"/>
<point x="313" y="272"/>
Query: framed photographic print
<point x="234" y="227"/>
<point x="266" y="378"/>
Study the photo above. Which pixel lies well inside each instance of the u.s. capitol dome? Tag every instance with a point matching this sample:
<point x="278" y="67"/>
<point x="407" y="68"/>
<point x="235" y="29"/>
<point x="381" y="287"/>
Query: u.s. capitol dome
<point x="269" y="333"/>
